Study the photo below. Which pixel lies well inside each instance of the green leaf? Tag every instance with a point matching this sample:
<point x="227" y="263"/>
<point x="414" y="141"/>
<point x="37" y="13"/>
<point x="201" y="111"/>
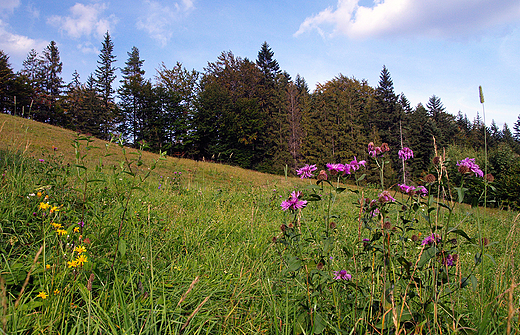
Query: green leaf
<point x="491" y="258"/>
<point x="460" y="192"/>
<point x="319" y="324"/>
<point x="461" y="233"/>
<point x="122" y="247"/>
<point x="361" y="178"/>
<point x="340" y="189"/>
<point x="427" y="255"/>
<point x="293" y="264"/>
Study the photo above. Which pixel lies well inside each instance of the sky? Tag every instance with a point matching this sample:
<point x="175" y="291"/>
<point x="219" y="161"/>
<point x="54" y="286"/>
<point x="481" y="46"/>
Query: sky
<point x="446" y="48"/>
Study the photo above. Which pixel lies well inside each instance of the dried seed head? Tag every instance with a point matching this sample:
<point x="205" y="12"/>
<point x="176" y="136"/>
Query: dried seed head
<point x="319" y="266"/>
<point x="430" y="178"/>
<point x="323" y="175"/>
<point x="387" y="225"/>
<point x="436" y="160"/>
<point x="489" y="177"/>
<point x="385" y="147"/>
<point x="464" y="169"/>
<point x="415" y="238"/>
<point x="332" y="225"/>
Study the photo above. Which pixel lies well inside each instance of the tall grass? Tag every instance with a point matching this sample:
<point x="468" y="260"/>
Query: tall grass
<point x="194" y="254"/>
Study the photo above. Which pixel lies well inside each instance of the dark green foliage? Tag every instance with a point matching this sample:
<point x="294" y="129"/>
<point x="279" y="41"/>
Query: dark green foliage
<point x="105" y="76"/>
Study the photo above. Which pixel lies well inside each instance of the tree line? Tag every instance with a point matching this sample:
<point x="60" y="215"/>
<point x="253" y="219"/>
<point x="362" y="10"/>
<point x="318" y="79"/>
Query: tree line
<point x="252" y="114"/>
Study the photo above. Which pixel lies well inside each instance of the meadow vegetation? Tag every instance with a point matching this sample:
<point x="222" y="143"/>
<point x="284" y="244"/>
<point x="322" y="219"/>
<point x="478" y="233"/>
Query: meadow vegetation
<point x="97" y="238"/>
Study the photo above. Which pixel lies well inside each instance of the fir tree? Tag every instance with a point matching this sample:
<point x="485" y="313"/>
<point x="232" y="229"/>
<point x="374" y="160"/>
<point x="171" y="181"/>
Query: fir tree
<point x="105" y="76"/>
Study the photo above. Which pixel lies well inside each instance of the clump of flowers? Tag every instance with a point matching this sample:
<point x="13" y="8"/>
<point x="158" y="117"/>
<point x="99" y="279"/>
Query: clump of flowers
<point x="306" y="171"/>
<point x="355" y="165"/>
<point x="468" y="165"/>
<point x="294" y="202"/>
<point x="376" y="151"/>
<point x="405" y="153"/>
<point x="450" y="260"/>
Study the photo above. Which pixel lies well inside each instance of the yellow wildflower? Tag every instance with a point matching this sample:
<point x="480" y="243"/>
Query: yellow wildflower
<point x="47" y="197"/>
<point x="81" y="260"/>
<point x="56" y="292"/>
<point x="44" y="206"/>
<point x="76" y="229"/>
<point x="61" y="231"/>
<point x="72" y="264"/>
<point x="56" y="225"/>
<point x="48" y="266"/>
<point x="39" y="194"/>
<point x="55" y="209"/>
<point x="80" y="249"/>
<point x="42" y="295"/>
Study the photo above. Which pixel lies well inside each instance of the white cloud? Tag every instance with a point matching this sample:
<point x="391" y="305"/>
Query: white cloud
<point x="8" y="5"/>
<point x="33" y="12"/>
<point x="412" y="17"/>
<point x="84" y="20"/>
<point x="87" y="48"/>
<point x="18" y="45"/>
<point x="158" y="20"/>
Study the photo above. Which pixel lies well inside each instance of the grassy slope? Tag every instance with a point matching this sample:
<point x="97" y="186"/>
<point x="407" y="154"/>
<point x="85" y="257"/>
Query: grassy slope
<point x="218" y="229"/>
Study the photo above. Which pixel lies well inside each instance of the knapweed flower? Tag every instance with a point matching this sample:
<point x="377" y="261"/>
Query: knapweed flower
<point x="375" y="151"/>
<point x="334" y="169"/>
<point x="42" y="295"/>
<point x="306" y="171"/>
<point x="385" y="197"/>
<point x="342" y="275"/>
<point x="421" y="190"/>
<point x="450" y="260"/>
<point x="41" y="160"/>
<point x="80" y="249"/>
<point x="322" y="175"/>
<point x="405" y="153"/>
<point x="81" y="224"/>
<point x="431" y="239"/>
<point x="468" y="164"/>
<point x="293" y="202"/>
<point x="355" y="165"/>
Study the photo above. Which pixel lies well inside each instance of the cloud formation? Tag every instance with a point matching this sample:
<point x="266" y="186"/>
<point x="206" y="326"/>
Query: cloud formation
<point x="8" y="5"/>
<point x="411" y="17"/>
<point x="18" y="45"/>
<point x="158" y="20"/>
<point x="84" y="20"/>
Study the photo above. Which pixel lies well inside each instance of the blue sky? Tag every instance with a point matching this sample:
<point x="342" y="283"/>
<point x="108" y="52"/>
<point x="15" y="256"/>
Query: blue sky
<point x="442" y="47"/>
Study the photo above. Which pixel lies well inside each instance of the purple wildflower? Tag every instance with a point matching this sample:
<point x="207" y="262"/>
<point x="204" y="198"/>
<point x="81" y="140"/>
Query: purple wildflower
<point x="431" y="239"/>
<point x="385" y="197"/>
<point x="423" y="191"/>
<point x="306" y="171"/>
<point x="293" y="202"/>
<point x="405" y="153"/>
<point x="81" y="224"/>
<point x="372" y="149"/>
<point x="471" y="165"/>
<point x="41" y="160"/>
<point x="334" y="169"/>
<point x="406" y="189"/>
<point x="355" y="165"/>
<point x="450" y="260"/>
<point x="342" y="275"/>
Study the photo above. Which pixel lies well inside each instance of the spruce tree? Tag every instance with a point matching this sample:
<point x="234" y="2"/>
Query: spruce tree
<point x="105" y="76"/>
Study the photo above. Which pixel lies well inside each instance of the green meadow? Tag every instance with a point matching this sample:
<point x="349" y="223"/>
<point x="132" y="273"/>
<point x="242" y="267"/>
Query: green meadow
<point x="97" y="238"/>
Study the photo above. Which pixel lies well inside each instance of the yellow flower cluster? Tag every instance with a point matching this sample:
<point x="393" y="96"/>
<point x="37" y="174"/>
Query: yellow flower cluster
<point x="44" y="206"/>
<point x="82" y="259"/>
<point x="42" y="295"/>
<point x="61" y="232"/>
<point x="56" y="225"/>
<point x="80" y="249"/>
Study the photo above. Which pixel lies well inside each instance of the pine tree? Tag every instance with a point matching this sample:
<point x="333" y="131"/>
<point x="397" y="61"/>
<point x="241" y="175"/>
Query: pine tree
<point x="53" y="84"/>
<point x="267" y="64"/>
<point x="516" y="129"/>
<point x="131" y="94"/>
<point x="435" y="108"/>
<point x="105" y="76"/>
<point x="6" y="85"/>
